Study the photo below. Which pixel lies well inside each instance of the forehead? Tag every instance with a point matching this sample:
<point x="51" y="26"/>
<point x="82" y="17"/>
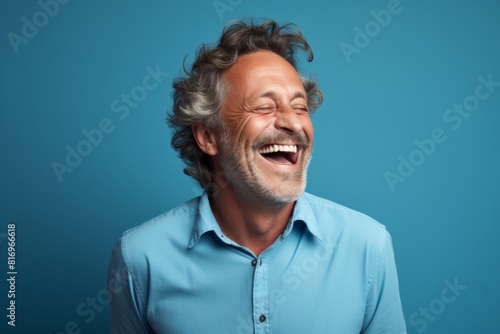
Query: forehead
<point x="255" y="70"/>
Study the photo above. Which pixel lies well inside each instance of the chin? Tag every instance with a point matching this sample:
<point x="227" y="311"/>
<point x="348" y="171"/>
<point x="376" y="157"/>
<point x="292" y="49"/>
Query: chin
<point x="283" y="194"/>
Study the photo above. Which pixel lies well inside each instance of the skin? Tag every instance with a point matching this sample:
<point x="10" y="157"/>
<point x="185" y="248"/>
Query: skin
<point x="265" y="104"/>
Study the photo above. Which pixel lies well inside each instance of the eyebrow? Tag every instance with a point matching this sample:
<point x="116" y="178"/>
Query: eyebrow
<point x="272" y="94"/>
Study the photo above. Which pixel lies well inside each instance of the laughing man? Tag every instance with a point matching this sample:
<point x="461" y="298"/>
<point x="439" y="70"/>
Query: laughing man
<point x="254" y="253"/>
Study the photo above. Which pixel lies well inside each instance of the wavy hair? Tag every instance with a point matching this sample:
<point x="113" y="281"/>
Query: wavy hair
<point x="199" y="95"/>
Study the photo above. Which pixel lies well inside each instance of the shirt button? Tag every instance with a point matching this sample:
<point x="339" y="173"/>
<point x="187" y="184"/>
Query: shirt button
<point x="254" y="262"/>
<point x="262" y="318"/>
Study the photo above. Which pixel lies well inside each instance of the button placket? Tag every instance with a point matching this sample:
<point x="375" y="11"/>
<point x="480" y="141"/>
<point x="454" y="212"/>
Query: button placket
<point x="261" y="295"/>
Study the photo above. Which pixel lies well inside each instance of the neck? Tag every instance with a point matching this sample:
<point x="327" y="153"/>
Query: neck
<point x="251" y="224"/>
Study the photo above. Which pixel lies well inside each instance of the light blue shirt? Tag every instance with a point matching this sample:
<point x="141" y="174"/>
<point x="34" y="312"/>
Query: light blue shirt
<point x="331" y="271"/>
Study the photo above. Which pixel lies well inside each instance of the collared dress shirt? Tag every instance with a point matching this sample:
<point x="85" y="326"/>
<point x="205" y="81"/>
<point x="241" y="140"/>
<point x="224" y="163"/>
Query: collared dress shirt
<point x="332" y="270"/>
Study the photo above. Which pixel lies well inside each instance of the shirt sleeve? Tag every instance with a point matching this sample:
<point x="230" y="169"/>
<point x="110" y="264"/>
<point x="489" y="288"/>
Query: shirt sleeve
<point x="127" y="299"/>
<point x="384" y="313"/>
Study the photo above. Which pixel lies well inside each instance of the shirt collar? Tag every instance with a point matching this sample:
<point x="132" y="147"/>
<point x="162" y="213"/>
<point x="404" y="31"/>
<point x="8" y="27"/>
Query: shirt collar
<point x="304" y="213"/>
<point x="205" y="220"/>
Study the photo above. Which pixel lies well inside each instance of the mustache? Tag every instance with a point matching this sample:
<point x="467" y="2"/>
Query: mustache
<point x="297" y="138"/>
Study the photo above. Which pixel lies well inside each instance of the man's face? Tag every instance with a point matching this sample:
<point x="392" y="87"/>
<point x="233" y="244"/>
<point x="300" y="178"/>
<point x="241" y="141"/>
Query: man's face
<point x="267" y="146"/>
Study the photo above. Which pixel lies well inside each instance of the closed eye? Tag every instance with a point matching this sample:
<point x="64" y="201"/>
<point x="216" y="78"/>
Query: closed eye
<point x="301" y="108"/>
<point x="265" y="109"/>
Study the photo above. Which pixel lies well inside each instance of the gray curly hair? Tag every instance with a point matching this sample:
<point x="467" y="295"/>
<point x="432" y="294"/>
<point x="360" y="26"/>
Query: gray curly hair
<point x="198" y="96"/>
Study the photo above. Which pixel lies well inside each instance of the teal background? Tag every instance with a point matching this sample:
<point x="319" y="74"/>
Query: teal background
<point x="444" y="219"/>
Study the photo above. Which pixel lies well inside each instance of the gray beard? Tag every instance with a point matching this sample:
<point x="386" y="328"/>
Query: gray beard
<point x="250" y="185"/>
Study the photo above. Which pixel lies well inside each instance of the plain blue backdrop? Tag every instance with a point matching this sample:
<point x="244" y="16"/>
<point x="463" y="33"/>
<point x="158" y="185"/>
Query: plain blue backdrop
<point x="388" y="82"/>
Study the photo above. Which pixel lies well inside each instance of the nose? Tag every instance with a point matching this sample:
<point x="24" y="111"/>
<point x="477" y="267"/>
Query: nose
<point x="287" y="120"/>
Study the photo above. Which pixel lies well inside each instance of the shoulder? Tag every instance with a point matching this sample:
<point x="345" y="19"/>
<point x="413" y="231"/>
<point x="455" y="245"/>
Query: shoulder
<point x="338" y="222"/>
<point x="161" y="235"/>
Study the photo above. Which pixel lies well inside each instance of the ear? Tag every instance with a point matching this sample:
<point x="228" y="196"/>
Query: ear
<point x="205" y="138"/>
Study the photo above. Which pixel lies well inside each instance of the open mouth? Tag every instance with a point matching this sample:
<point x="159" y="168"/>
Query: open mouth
<point x="281" y="154"/>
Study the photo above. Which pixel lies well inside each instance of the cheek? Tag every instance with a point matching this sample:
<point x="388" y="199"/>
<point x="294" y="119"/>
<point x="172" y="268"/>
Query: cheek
<point x="246" y="127"/>
<point x="308" y="128"/>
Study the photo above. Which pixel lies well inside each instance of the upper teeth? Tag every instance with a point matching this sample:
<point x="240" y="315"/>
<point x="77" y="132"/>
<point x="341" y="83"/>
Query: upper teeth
<point x="278" y="148"/>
